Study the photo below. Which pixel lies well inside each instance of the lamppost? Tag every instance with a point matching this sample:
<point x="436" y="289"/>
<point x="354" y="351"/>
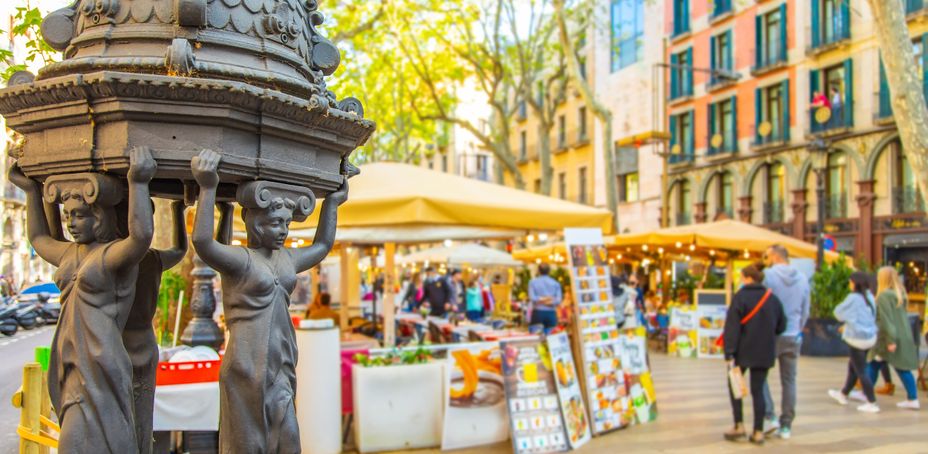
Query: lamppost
<point x="820" y="148"/>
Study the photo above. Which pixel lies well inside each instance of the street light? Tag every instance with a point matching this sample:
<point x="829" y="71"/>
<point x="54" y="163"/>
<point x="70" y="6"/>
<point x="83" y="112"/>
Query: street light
<point x="820" y="148"/>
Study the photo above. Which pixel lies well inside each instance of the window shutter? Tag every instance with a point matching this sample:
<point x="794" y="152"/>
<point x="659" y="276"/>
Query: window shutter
<point x="712" y="127"/>
<point x="729" y="52"/>
<point x="784" y="97"/>
<point x="686" y="15"/>
<point x="845" y="18"/>
<point x="713" y="60"/>
<point x="848" y="92"/>
<point x="814" y="83"/>
<point x="886" y="107"/>
<point x="816" y="26"/>
<point x="689" y="71"/>
<point x="758" y="113"/>
<point x="673" y="137"/>
<point x="734" y="123"/>
<point x="783" y="30"/>
<point x="758" y="42"/>
<point x="674" y="75"/>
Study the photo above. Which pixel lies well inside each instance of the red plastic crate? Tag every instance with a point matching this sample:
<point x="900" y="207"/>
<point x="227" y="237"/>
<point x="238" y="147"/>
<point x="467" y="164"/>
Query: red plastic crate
<point x="187" y="372"/>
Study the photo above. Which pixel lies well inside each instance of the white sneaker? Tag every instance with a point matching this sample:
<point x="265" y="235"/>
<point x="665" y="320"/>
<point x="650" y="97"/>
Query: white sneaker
<point x="771" y="425"/>
<point x="838" y="396"/>
<point x="784" y="433"/>
<point x="858" y="396"/>
<point x="909" y="404"/>
<point x="869" y="408"/>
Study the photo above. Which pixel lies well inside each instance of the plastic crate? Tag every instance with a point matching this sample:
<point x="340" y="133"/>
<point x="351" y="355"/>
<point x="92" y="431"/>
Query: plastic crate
<point x="187" y="372"/>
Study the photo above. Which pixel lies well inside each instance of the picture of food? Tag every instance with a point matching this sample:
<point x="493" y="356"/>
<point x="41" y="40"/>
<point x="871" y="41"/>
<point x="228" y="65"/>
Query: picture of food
<point x="601" y="271"/>
<point x="564" y="373"/>
<point x="584" y="285"/>
<point x="576" y="419"/>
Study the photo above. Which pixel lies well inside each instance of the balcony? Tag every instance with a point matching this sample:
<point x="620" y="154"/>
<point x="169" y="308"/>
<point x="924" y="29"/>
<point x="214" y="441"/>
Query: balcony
<point x="915" y="7"/>
<point x="721" y="10"/>
<point x="883" y="114"/>
<point x="769" y="59"/>
<point x="830" y="36"/>
<point x="724" y="144"/>
<point x="683" y="218"/>
<point x="908" y="199"/>
<point x="724" y="213"/>
<point x="831" y="121"/>
<point x="773" y="212"/>
<point x="682" y="158"/>
<point x="778" y="136"/>
<point x="683" y="88"/>
<point x="836" y="206"/>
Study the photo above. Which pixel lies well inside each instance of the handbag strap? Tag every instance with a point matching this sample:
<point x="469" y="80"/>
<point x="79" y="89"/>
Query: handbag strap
<point x="747" y="318"/>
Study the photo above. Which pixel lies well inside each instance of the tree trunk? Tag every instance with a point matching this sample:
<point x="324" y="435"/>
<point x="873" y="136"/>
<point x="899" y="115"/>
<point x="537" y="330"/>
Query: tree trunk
<point x="602" y="112"/>
<point x="905" y="85"/>
<point x="544" y="156"/>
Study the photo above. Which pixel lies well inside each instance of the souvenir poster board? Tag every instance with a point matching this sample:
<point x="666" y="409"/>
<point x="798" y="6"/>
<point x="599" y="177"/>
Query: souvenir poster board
<point x="597" y="334"/>
<point x="642" y="398"/>
<point x="532" y="398"/>
<point x="475" y="404"/>
<point x="712" y="307"/>
<point x="682" y="332"/>
<point x="568" y="388"/>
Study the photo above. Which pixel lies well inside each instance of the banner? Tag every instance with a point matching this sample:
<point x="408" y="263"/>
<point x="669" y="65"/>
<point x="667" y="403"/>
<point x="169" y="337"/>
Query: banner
<point x="682" y="332"/>
<point x="597" y="332"/>
<point x="568" y="388"/>
<point x="643" y="400"/>
<point x="534" y="411"/>
<point x="475" y="407"/>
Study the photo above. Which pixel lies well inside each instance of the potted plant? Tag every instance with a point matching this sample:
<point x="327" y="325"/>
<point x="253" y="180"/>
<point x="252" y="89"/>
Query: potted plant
<point x="829" y="288"/>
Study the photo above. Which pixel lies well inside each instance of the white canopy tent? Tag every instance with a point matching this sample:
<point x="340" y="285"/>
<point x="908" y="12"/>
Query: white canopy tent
<point x="463" y="255"/>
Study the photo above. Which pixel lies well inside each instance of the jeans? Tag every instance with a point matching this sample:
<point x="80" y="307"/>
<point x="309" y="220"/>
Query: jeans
<point x="884" y="371"/>
<point x="857" y="369"/>
<point x="758" y="381"/>
<point x="546" y="318"/>
<point x="474" y="315"/>
<point x="788" y="358"/>
<point x="906" y="376"/>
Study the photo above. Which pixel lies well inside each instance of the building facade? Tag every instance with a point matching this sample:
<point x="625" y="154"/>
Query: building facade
<point x="767" y="96"/>
<point x="618" y="60"/>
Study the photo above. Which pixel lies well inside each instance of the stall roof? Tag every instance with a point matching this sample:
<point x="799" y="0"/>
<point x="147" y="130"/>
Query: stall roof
<point x="471" y="254"/>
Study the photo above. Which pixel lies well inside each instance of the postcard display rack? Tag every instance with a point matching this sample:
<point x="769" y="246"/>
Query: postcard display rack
<point x="596" y="332"/>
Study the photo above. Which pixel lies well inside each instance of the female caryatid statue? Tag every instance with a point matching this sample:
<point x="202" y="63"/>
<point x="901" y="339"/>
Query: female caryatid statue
<point x="258" y="374"/>
<point x="90" y="375"/>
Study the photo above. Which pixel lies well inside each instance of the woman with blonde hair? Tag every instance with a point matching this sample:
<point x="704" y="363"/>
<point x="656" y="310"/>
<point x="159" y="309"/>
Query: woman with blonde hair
<point x="895" y="343"/>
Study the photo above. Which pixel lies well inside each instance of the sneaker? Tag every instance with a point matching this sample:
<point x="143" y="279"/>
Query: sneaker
<point x="858" y="396"/>
<point x="838" y="396"/>
<point x="785" y="433"/>
<point x="869" y="408"/>
<point x="771" y="425"/>
<point x="909" y="404"/>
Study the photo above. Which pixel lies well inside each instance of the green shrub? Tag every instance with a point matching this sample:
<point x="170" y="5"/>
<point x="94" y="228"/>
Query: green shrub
<point x="829" y="288"/>
<point x="171" y="285"/>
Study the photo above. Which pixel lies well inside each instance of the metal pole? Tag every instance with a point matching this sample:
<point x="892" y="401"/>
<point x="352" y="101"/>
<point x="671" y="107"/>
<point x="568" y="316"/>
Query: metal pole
<point x="820" y="221"/>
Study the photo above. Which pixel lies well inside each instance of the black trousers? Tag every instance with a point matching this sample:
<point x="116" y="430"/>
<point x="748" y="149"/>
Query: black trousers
<point x="757" y="379"/>
<point x="857" y="370"/>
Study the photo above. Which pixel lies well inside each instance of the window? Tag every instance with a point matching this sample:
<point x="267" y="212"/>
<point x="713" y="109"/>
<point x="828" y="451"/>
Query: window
<point x="912" y="6"/>
<point x="628" y="187"/>
<point x="681" y="17"/>
<point x="723" y="133"/>
<point x="537" y="185"/>
<point x="581" y="119"/>
<point x="627" y="32"/>
<point x="681" y="137"/>
<point x="725" y="194"/>
<point x="906" y="196"/>
<point x="482" y="168"/>
<point x="444" y="163"/>
<point x="720" y="57"/>
<point x="581" y="197"/>
<point x="831" y="22"/>
<point x="562" y="185"/>
<point x="836" y="84"/>
<point x="683" y="203"/>
<point x="836" y="182"/>
<point x="561" y="131"/>
<point x="720" y="7"/>
<point x="771" y="113"/>
<point x="523" y="110"/>
<point x="770" y="38"/>
<point x="681" y="74"/>
<point x="775" y="193"/>
<point x="523" y="147"/>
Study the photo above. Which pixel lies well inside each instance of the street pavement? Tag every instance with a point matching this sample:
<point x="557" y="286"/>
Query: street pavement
<point x="15" y="351"/>
<point x="693" y="412"/>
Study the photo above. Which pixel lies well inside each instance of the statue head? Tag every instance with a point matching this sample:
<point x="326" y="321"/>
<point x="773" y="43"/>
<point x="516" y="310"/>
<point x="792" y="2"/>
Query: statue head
<point x="88" y="202"/>
<point x="268" y="208"/>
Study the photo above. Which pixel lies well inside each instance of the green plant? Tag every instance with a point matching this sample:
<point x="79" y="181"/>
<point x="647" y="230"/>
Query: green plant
<point x="829" y="287"/>
<point x="562" y="276"/>
<point x="520" y="289"/>
<point x="171" y="285"/>
<point x="394" y="358"/>
<point x="27" y="23"/>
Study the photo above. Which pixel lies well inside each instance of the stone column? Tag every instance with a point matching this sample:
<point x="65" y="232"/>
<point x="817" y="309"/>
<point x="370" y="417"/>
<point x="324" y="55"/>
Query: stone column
<point x="799" y="207"/>
<point x="865" y="199"/>
<point x="745" y="211"/>
<point x="700" y="215"/>
<point x="202" y="329"/>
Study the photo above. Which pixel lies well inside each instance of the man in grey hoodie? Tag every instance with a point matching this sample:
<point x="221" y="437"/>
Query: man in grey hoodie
<point x="791" y="287"/>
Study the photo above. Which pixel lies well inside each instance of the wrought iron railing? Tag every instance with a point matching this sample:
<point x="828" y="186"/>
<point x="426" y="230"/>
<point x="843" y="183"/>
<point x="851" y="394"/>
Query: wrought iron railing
<point x="773" y="212"/>
<point x="908" y="199"/>
<point x="684" y="218"/>
<point x="836" y="206"/>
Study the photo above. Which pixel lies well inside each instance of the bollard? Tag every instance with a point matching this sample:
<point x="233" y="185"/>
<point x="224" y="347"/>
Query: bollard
<point x="31" y="400"/>
<point x="42" y="356"/>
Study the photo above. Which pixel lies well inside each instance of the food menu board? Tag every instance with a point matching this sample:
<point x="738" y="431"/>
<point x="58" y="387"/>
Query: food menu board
<point x="681" y="334"/>
<point x="532" y="399"/>
<point x="475" y="405"/>
<point x="568" y="388"/>
<point x="711" y="323"/>
<point x="642" y="398"/>
<point x="596" y="330"/>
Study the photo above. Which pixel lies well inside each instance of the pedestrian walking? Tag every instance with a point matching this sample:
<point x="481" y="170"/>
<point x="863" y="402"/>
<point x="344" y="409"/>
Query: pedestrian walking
<point x="754" y="320"/>
<point x="546" y="295"/>
<point x="474" y="300"/>
<point x="791" y="287"/>
<point x="895" y="345"/>
<point x="858" y="313"/>
<point x="436" y="294"/>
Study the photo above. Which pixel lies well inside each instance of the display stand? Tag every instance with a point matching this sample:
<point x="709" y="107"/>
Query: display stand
<point x="711" y="307"/>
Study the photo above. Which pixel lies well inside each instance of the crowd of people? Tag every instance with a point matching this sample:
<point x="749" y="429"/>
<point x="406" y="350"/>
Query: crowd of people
<point x="764" y="327"/>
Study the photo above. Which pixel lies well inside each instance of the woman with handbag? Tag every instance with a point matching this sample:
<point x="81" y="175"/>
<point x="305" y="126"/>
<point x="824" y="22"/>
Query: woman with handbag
<point x="895" y="344"/>
<point x="754" y="320"/>
<point x="858" y="313"/>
